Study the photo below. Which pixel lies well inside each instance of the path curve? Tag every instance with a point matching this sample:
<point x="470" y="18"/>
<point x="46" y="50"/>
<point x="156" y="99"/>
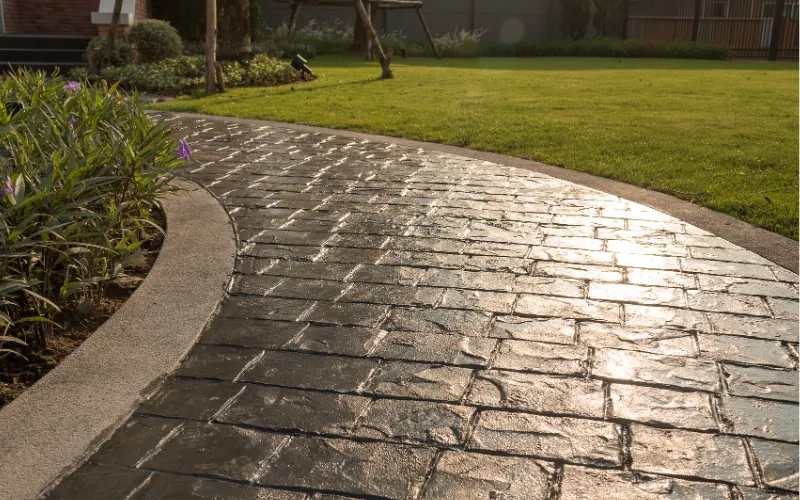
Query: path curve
<point x="413" y="324"/>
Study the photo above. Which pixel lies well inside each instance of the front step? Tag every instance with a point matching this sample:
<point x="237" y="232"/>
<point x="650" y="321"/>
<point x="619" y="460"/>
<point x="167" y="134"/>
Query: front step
<point x="42" y="52"/>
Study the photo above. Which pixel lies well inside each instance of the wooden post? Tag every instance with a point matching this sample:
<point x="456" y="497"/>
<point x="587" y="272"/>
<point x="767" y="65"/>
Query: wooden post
<point x="112" y="33"/>
<point x="385" y="59"/>
<point x="211" y="45"/>
<point x="428" y="32"/>
<point x="777" y="29"/>
<point x="473" y="12"/>
<point x="293" y="18"/>
<point x="698" y="9"/>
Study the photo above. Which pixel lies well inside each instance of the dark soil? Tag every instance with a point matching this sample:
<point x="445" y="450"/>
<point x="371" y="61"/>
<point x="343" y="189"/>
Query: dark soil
<point x="17" y="374"/>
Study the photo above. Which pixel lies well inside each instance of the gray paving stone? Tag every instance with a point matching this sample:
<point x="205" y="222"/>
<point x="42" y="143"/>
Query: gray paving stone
<point x="572" y="440"/>
<point x="744" y="350"/>
<point x="251" y="333"/>
<point x="661" y="407"/>
<point x="635" y="260"/>
<point x="623" y="292"/>
<point x="654" y="340"/>
<point x="758" y="382"/>
<point x="524" y="233"/>
<point x="416" y="422"/>
<point x="496" y="249"/>
<point x="665" y="317"/>
<point x="310" y="270"/>
<point x="539" y="393"/>
<point x="350" y="341"/>
<point x="749" y="493"/>
<point x="660" y="278"/>
<point x="254" y="285"/>
<point x="563" y="287"/>
<point x="578" y="271"/>
<point x="470" y="476"/>
<point x="390" y="275"/>
<point x="746" y="286"/>
<point x="436" y="348"/>
<point x="379" y="469"/>
<point x="418" y="380"/>
<point x="177" y="487"/>
<point x="755" y="417"/>
<point x="748" y="326"/>
<point x="520" y="355"/>
<point x="293" y="288"/>
<point x="252" y="307"/>
<point x="728" y="255"/>
<point x="393" y="294"/>
<point x="265" y="251"/>
<point x="691" y="454"/>
<point x="580" y="483"/>
<point x="727" y="268"/>
<point x="552" y="330"/>
<point x="423" y="259"/>
<point x="469" y="323"/>
<point x="634" y="247"/>
<point x="727" y="303"/>
<point x="498" y="264"/>
<point x="576" y="242"/>
<point x="542" y="305"/>
<point x="479" y="300"/>
<point x="351" y="255"/>
<point x="190" y="399"/>
<point x="783" y="308"/>
<point x="415" y="244"/>
<point x="334" y="313"/>
<point x="571" y="256"/>
<point x="307" y="371"/>
<point x="642" y="367"/>
<point x="469" y="280"/>
<point x="93" y="481"/>
<point x="217" y="450"/>
<point x="218" y="362"/>
<point x="284" y="409"/>
<point x="778" y="463"/>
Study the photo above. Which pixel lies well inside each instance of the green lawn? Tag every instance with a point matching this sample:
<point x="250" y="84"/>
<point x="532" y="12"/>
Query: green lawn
<point x="721" y="134"/>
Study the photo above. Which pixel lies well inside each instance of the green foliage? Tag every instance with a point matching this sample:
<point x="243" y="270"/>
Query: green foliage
<point x="575" y="17"/>
<point x="609" y="17"/>
<point x="184" y="74"/>
<point x="612" y="47"/>
<point x="187" y="16"/>
<point x="96" y="52"/>
<point x="85" y="167"/>
<point x="155" y="40"/>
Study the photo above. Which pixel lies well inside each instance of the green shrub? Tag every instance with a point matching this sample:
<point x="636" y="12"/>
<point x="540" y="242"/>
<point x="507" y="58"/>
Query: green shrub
<point x="612" y="47"/>
<point x="155" y="40"/>
<point x="186" y="73"/>
<point x="82" y="169"/>
<point x="96" y="52"/>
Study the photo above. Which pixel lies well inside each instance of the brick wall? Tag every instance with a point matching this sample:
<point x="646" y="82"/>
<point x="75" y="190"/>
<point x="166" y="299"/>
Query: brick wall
<point x="49" y="17"/>
<point x="57" y="17"/>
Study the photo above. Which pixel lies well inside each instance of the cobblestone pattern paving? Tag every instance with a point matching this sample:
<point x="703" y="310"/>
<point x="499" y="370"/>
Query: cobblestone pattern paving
<point x="406" y="324"/>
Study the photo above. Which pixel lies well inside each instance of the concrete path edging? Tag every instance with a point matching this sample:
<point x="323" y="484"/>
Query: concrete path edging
<point x="55" y="424"/>
<point x="779" y="249"/>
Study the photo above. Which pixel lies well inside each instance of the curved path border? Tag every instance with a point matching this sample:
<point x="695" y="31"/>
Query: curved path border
<point x="54" y="425"/>
<point x="779" y="249"/>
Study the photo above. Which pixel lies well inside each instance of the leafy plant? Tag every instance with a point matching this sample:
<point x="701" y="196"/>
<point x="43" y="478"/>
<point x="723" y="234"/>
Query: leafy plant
<point x="155" y="40"/>
<point x="95" y="52"/>
<point x="84" y="168"/>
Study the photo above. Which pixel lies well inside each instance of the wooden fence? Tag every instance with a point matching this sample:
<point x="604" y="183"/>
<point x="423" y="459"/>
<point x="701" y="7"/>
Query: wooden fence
<point x="753" y="29"/>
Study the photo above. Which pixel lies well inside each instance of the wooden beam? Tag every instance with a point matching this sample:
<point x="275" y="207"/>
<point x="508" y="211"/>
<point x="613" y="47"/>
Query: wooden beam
<point x="385" y="59"/>
<point x="211" y="45"/>
<point x="428" y="32"/>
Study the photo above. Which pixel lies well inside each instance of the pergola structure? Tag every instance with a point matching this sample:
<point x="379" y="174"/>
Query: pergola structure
<point x="370" y="6"/>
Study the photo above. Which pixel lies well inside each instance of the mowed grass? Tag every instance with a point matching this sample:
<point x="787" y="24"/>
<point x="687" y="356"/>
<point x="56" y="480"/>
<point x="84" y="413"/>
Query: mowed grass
<point x="721" y="134"/>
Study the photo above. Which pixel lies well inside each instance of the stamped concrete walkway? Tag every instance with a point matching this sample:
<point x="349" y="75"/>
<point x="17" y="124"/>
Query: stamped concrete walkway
<point x="407" y="324"/>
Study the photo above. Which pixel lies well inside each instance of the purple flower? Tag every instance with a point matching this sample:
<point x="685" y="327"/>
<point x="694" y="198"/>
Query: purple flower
<point x="9" y="190"/>
<point x="73" y="85"/>
<point x="183" y="149"/>
<point x="72" y="122"/>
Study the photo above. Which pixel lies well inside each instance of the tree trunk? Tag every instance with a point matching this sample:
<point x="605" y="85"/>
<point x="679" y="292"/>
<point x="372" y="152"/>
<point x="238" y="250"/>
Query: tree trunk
<point x="360" y="35"/>
<point x="112" y="33"/>
<point x="233" y="26"/>
<point x="211" y="45"/>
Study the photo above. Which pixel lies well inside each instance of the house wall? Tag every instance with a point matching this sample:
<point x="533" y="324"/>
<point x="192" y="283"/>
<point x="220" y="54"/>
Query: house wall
<point x="506" y="20"/>
<point x="49" y="17"/>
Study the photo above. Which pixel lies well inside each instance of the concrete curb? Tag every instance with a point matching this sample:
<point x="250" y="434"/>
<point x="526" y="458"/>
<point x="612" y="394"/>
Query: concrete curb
<point x="56" y="423"/>
<point x="779" y="249"/>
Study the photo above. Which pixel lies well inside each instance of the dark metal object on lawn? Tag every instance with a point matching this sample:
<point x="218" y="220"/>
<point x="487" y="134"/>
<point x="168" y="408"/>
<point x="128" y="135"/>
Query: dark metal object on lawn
<point x="299" y="64"/>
